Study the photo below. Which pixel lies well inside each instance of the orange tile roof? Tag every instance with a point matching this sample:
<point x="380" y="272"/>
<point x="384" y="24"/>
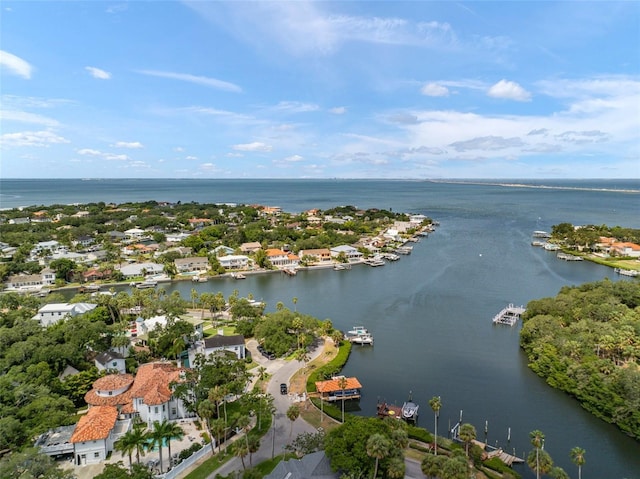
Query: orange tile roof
<point x="275" y="252"/>
<point x="92" y="399"/>
<point x="333" y="385"/>
<point x="96" y="424"/>
<point x="152" y="382"/>
<point x="111" y="382"/>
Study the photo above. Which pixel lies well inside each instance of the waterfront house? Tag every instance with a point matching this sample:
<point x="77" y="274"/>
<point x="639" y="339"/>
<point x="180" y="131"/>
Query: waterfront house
<point x="626" y="249"/>
<point x="234" y="261"/>
<point x="136" y="270"/>
<point x="192" y="264"/>
<point x="319" y="255"/>
<point x="281" y="259"/>
<point x="24" y="281"/>
<point x="351" y="253"/>
<point x="52" y="313"/>
<point x="331" y="389"/>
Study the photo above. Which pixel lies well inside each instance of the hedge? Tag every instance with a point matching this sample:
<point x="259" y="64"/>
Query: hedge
<point x="330" y="369"/>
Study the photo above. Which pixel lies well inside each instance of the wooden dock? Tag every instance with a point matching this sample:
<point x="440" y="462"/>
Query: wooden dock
<point x="509" y="315"/>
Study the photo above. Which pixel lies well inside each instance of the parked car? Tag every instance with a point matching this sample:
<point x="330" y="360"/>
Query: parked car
<point x="283" y="388"/>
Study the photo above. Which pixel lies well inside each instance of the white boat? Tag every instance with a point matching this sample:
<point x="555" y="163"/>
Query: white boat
<point x="410" y="410"/>
<point x="391" y="256"/>
<point x="627" y="272"/>
<point x="341" y="266"/>
<point x="374" y="261"/>
<point x="238" y="276"/>
<point x="147" y="283"/>
<point x="358" y="330"/>
<point x="362" y="339"/>
<point x="541" y="234"/>
<point x="551" y="247"/>
<point x="199" y="279"/>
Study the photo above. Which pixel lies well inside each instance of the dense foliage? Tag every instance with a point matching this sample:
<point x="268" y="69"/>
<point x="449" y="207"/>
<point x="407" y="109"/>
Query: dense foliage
<point x="586" y="342"/>
<point x="587" y="236"/>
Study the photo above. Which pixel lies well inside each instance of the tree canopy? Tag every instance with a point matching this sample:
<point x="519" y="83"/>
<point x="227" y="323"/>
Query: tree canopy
<point x="586" y="342"/>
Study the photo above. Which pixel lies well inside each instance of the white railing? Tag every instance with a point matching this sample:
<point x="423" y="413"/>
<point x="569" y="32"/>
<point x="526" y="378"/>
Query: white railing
<point x="179" y="470"/>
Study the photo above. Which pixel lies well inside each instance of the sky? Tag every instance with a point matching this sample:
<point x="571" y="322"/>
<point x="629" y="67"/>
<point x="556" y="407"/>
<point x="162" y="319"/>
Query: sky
<point x="302" y="89"/>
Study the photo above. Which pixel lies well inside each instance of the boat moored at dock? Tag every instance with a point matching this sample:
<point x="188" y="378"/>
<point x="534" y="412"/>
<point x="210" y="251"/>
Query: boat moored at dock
<point x="359" y="335"/>
<point x="410" y="410"/>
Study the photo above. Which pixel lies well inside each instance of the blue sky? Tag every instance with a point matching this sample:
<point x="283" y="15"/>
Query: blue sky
<point x="297" y="89"/>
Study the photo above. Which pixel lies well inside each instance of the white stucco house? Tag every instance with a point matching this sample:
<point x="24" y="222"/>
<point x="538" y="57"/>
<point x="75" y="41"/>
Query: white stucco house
<point x="215" y="344"/>
<point x="351" y="253"/>
<point x="237" y="261"/>
<point x="52" y="313"/>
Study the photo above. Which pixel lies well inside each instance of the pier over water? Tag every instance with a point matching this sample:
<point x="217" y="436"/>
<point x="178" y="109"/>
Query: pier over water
<point x="509" y="315"/>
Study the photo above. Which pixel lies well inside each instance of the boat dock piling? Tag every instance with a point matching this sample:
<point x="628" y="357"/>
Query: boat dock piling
<point x="509" y="315"/>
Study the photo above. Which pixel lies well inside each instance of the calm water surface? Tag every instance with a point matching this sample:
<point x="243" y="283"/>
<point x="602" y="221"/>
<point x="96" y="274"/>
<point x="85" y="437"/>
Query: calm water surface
<point x="431" y="311"/>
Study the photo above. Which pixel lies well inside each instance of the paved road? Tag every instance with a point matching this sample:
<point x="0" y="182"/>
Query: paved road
<point x="282" y="431"/>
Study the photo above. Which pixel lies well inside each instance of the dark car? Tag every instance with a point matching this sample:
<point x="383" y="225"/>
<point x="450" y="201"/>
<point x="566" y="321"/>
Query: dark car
<point x="283" y="388"/>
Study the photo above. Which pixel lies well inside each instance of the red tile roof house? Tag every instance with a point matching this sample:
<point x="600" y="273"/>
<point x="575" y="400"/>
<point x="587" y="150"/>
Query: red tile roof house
<point x="148" y="395"/>
<point x="94" y="435"/>
<point x="281" y="259"/>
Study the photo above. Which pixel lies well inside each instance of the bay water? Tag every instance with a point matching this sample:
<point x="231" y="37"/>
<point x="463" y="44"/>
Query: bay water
<point x="431" y="311"/>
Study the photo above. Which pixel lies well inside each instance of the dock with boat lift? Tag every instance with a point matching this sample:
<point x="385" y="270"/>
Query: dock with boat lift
<point x="509" y="315"/>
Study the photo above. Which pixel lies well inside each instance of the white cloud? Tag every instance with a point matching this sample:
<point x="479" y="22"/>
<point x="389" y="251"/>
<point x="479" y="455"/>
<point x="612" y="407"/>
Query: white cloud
<point x="103" y="155"/>
<point x="26" y="117"/>
<point x="191" y="157"/>
<point x="15" y="65"/>
<point x="509" y="90"/>
<point x="98" y="73"/>
<point x="199" y="80"/>
<point x="128" y="144"/>
<point x="296" y="106"/>
<point x="178" y="149"/>
<point x="434" y="89"/>
<point x="338" y="110"/>
<point x="31" y="138"/>
<point x="255" y="146"/>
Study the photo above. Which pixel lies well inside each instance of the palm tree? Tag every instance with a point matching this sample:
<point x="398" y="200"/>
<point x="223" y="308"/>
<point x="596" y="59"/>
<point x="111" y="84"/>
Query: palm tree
<point x="206" y="410"/>
<point x="540" y="461"/>
<point x="126" y="445"/>
<point x="431" y="465"/>
<point x="577" y="457"/>
<point x="435" y="404"/>
<point x="467" y="435"/>
<point x="537" y="441"/>
<point x="558" y="473"/>
<point x="217" y="428"/>
<point x="342" y="383"/>
<point x="241" y="451"/>
<point x="378" y="447"/>
<point x="293" y="413"/>
<point x="158" y="435"/>
<point x="336" y="337"/>
<point x="396" y="468"/>
<point x="253" y="445"/>
<point x="172" y="431"/>
<point x="139" y="438"/>
<point x="295" y="302"/>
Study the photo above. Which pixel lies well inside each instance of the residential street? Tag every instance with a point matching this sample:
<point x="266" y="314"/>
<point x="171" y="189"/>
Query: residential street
<point x="281" y="434"/>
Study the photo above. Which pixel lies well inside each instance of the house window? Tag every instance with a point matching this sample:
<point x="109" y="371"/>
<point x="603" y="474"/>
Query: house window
<point x="115" y="364"/>
<point x="156" y="409"/>
<point x="96" y="454"/>
<point x="173" y="411"/>
<point x="110" y="393"/>
<point x="163" y="409"/>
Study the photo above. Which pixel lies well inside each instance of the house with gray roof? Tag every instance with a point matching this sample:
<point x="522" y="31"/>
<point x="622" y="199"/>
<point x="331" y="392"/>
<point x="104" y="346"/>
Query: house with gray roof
<point x="312" y="466"/>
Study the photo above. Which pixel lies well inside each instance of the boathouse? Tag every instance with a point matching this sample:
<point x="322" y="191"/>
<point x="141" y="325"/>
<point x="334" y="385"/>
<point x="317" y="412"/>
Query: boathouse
<point x="335" y="389"/>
